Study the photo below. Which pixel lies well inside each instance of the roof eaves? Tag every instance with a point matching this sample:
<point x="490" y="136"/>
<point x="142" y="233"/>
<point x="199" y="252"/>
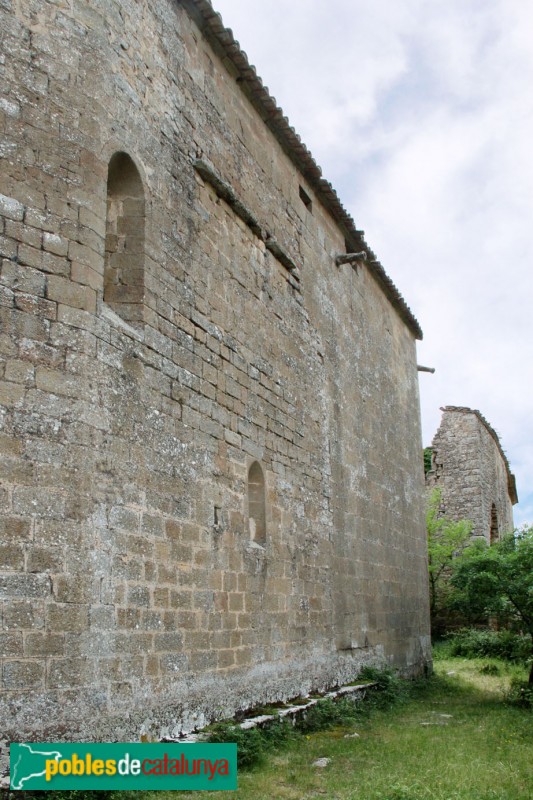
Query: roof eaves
<point x="273" y="116"/>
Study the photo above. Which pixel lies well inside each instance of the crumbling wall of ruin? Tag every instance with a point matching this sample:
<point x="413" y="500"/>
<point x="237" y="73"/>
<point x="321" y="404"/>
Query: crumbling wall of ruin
<point x="210" y="438"/>
<point x="473" y="474"/>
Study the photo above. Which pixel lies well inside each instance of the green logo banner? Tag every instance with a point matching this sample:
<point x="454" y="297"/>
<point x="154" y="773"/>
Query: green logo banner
<point x="123" y="766"/>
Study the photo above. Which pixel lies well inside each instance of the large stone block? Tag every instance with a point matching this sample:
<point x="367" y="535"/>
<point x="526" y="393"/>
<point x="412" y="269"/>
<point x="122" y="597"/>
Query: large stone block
<point x="22" y="585"/>
<point x="23" y="675"/>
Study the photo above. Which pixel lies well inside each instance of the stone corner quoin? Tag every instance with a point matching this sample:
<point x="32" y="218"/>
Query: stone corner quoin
<point x="211" y="483"/>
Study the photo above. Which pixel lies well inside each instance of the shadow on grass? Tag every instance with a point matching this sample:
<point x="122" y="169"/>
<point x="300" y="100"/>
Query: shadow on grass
<point x="456" y="689"/>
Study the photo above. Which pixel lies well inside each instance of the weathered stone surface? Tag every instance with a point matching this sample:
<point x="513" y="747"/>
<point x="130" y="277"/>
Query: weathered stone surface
<point x="473" y="474"/>
<point x="141" y="591"/>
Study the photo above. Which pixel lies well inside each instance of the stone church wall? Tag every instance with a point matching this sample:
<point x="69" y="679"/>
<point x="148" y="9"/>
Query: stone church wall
<point x="211" y="483"/>
<point x="473" y="474"/>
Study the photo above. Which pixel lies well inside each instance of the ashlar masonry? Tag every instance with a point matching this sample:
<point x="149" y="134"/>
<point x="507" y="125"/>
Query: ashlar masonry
<point x="471" y="470"/>
<point x="211" y="475"/>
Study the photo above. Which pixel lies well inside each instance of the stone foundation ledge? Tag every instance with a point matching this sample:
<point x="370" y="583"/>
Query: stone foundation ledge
<point x="292" y="712"/>
<point x="288" y="710"/>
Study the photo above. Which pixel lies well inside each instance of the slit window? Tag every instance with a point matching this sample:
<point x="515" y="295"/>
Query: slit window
<point x="256" y="504"/>
<point x="124" y="245"/>
<point x="494" y="527"/>
<point x="306" y="200"/>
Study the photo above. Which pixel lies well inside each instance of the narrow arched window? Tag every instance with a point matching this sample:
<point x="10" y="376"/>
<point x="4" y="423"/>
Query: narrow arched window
<point x="494" y="530"/>
<point x="256" y="503"/>
<point x="124" y="245"/>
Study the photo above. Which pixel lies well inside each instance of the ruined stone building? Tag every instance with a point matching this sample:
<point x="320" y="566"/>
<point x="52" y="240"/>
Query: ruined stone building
<point x="473" y="473"/>
<point x="211" y="481"/>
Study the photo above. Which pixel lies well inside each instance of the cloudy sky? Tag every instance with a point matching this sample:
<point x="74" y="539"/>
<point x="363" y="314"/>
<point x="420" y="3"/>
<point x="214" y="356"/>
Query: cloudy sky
<point x="421" y="115"/>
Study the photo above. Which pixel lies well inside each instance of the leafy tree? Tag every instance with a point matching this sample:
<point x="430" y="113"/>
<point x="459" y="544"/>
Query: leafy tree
<point x="446" y="539"/>
<point x="428" y="458"/>
<point x="497" y="581"/>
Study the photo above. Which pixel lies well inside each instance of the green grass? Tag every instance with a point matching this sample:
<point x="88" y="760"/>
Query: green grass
<point x="454" y="738"/>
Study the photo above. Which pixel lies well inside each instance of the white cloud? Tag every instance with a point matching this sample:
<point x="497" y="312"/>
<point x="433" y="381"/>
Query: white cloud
<point x="421" y="115"/>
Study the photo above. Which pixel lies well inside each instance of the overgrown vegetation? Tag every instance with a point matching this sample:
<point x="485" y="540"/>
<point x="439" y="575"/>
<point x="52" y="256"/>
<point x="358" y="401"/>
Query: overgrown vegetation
<point x="496" y="582"/>
<point x="389" y="690"/>
<point x="451" y="738"/>
<point x="477" y="643"/>
<point x="254" y="745"/>
<point x="501" y="653"/>
<point x="428" y="459"/>
<point x="446" y="540"/>
<point x="520" y="693"/>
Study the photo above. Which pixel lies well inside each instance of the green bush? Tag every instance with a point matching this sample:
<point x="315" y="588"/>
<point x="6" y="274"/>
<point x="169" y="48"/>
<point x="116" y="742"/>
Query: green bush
<point x="475" y="643"/>
<point x="254" y="743"/>
<point x="328" y="713"/>
<point x="250" y="744"/>
<point x="278" y="733"/>
<point x="390" y="688"/>
<point x="520" y="694"/>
